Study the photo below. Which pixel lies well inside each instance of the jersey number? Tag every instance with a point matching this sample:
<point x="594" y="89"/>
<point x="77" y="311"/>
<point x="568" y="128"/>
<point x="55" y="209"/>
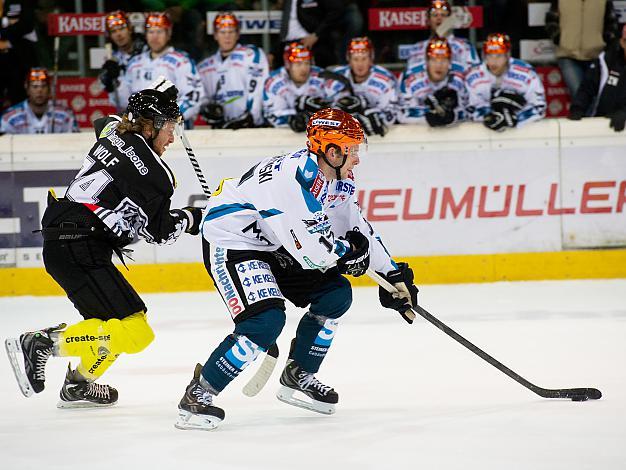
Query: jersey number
<point x="87" y="188"/>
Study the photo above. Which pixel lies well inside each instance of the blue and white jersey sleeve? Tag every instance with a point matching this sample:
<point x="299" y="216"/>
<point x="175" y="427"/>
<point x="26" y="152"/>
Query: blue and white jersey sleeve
<point x="190" y="89"/>
<point x="258" y="72"/>
<point x="278" y="98"/>
<point x="535" y="95"/>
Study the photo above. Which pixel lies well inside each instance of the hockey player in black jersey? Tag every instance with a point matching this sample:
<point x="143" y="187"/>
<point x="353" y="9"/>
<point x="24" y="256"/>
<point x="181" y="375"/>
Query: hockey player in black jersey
<point x="123" y="190"/>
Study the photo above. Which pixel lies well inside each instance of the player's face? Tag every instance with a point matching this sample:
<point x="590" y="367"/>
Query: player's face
<point x="158" y="38"/>
<point x="227" y="39"/>
<point x="299" y="71"/>
<point x="497" y="63"/>
<point x="164" y="138"/>
<point x="121" y="37"/>
<point x="360" y="65"/>
<point x="38" y="93"/>
<point x="335" y="158"/>
<point x="436" y="17"/>
<point x="437" y="68"/>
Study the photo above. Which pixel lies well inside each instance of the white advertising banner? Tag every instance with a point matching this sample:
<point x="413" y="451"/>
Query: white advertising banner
<point x="548" y="186"/>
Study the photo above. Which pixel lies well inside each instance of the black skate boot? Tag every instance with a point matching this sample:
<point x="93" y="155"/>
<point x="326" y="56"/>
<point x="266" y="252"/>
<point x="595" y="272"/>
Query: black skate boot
<point x="36" y="348"/>
<point x="78" y="393"/>
<point x="196" y="410"/>
<point x="294" y="379"/>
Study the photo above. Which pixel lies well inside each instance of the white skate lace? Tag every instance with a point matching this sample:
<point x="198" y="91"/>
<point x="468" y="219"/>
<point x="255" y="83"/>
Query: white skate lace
<point x="40" y="363"/>
<point x="307" y="380"/>
<point x="202" y="395"/>
<point x="97" y="390"/>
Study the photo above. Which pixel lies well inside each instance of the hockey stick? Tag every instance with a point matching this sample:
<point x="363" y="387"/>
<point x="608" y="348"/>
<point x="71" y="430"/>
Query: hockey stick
<point x="57" y="45"/>
<point x="575" y="394"/>
<point x="263" y="373"/>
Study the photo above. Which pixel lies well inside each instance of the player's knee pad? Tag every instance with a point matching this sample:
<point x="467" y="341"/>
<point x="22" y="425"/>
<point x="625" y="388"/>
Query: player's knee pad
<point x="263" y="328"/>
<point x="333" y="299"/>
<point x="130" y="335"/>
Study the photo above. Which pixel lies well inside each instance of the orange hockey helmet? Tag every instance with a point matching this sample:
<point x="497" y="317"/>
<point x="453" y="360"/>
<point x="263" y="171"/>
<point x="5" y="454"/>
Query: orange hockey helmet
<point x="225" y="20"/>
<point x="116" y="20"/>
<point x="438" y="48"/>
<point x="296" y="52"/>
<point x="38" y="74"/>
<point x="329" y="128"/>
<point x="497" y="43"/>
<point x="439" y="5"/>
<point x="158" y="20"/>
<point x="360" y="45"/>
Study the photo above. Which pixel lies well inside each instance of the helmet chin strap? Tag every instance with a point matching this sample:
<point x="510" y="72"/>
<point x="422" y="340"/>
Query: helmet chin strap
<point x="336" y="168"/>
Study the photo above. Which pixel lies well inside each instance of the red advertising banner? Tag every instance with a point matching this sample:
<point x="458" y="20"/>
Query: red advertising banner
<point x="85" y="97"/>
<point x="557" y="94"/>
<point x="389" y="19"/>
<point x="76" y="24"/>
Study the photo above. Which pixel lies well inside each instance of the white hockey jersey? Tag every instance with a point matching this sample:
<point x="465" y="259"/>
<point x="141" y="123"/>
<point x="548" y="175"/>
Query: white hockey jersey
<point x="416" y="86"/>
<point x="520" y="77"/>
<point x="463" y="53"/>
<point x="237" y="81"/>
<point x="380" y="90"/>
<point x="280" y="93"/>
<point x="174" y="65"/>
<point x="20" y="119"/>
<point x="286" y="201"/>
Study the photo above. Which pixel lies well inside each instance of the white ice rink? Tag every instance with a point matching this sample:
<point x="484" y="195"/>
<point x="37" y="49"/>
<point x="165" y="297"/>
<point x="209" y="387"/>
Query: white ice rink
<point x="410" y="397"/>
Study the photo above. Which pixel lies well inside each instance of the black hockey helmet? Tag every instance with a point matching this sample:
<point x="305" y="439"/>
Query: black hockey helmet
<point x="154" y="105"/>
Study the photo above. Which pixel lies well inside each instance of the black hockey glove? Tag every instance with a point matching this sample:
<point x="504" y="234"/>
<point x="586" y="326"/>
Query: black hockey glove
<point x="298" y="122"/>
<point x="194" y="219"/>
<point x="441" y="107"/>
<point x="448" y="98"/>
<point x="353" y="104"/>
<point x="310" y="104"/>
<point x="213" y="114"/>
<point x="575" y="114"/>
<point x="357" y="260"/>
<point x="406" y="297"/>
<point x="499" y="121"/>
<point x="618" y="119"/>
<point x="371" y="122"/>
<point x="241" y="122"/>
<point x="505" y="99"/>
<point x="109" y="74"/>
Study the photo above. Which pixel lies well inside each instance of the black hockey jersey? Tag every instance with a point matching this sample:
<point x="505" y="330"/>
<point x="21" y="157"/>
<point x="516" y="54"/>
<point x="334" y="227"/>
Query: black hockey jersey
<point x="128" y="187"/>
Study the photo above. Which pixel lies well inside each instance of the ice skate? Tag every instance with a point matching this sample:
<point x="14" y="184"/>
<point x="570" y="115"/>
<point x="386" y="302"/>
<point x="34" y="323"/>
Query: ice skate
<point x="82" y="394"/>
<point x="196" y="410"/>
<point x="320" y="398"/>
<point x="36" y="347"/>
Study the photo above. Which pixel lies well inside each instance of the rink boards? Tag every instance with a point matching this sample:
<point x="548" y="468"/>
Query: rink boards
<point x="546" y="201"/>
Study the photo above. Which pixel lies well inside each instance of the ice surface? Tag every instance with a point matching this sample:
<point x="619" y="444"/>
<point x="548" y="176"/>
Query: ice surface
<point x="410" y="397"/>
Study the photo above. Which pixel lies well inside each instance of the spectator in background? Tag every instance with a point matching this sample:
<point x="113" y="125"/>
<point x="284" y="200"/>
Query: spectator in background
<point x="38" y="114"/>
<point x="463" y="52"/>
<point x="125" y="44"/>
<point x="604" y="87"/>
<point x="504" y="92"/>
<point x="312" y="23"/>
<point x="296" y="91"/>
<point x="374" y="99"/>
<point x="233" y="79"/>
<point x="433" y="91"/>
<point x="580" y="29"/>
<point x="163" y="60"/>
<point x="17" y="48"/>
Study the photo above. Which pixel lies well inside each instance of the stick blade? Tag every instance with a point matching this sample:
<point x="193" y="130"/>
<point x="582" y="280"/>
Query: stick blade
<point x="262" y="375"/>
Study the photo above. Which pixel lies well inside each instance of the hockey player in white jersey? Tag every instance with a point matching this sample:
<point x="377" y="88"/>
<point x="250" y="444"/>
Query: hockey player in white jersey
<point x="289" y="229"/>
<point x="374" y="98"/>
<point x="504" y="92"/>
<point x="125" y="44"/>
<point x="433" y="92"/>
<point x="163" y="60"/>
<point x="233" y="79"/>
<point x="463" y="52"/>
<point x="298" y="89"/>
<point x="37" y="114"/>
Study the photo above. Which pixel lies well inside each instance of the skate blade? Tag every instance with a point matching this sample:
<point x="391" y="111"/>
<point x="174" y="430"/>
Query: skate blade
<point x="13" y="348"/>
<point x="81" y="404"/>
<point x="191" y="421"/>
<point x="285" y="394"/>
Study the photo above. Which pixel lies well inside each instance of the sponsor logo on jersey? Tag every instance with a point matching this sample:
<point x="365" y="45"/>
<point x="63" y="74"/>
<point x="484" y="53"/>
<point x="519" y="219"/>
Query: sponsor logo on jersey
<point x="295" y="240"/>
<point x="225" y="284"/>
<point x="108" y="129"/>
<point x="97" y="364"/>
<point x="79" y="339"/>
<point x="119" y="143"/>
